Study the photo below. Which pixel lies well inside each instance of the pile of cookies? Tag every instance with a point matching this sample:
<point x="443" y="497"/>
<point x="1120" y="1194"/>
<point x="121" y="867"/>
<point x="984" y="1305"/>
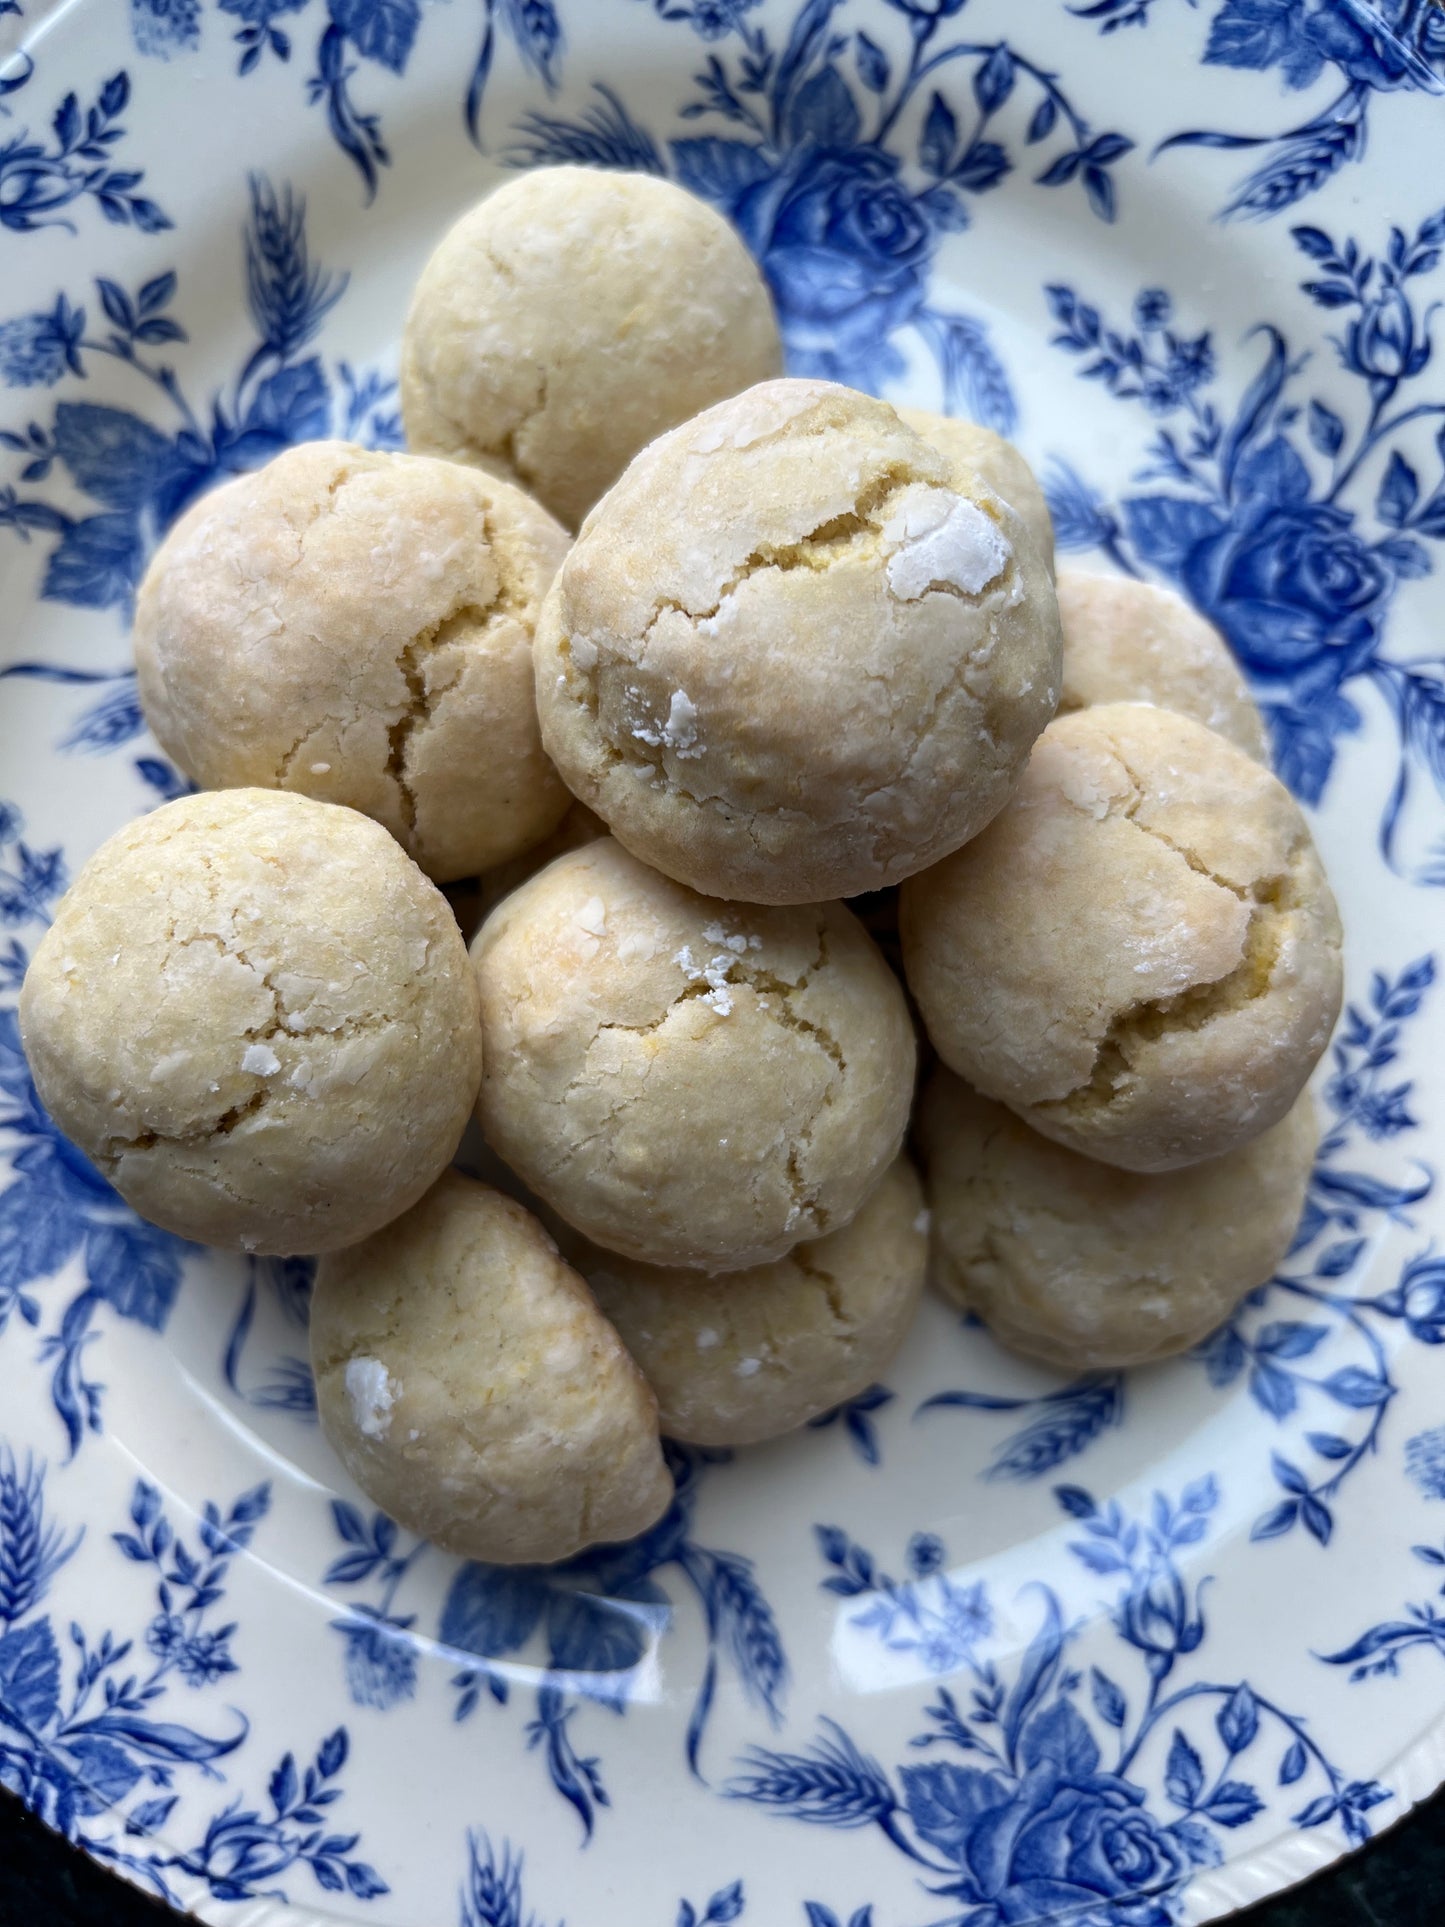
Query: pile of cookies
<point x="803" y="648"/>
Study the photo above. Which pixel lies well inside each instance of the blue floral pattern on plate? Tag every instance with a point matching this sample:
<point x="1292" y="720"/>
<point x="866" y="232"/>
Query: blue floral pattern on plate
<point x="960" y="206"/>
<point x="1265" y="544"/>
<point x="81" y="1737"/>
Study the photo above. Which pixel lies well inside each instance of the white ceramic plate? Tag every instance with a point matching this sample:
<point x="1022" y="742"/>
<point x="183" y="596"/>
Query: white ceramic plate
<point x="987" y="1646"/>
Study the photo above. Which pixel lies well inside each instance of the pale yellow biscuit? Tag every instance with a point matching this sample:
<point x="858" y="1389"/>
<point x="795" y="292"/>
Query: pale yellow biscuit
<point x="569" y="318"/>
<point x="996" y="460"/>
<point x="577" y="828"/>
<point x="794" y="654"/>
<point x="1128" y="641"/>
<point x="358" y="627"/>
<point x="1091" y="1267"/>
<point x="471" y="1387"/>
<point x="255" y="1015"/>
<point x="1141" y="955"/>
<point x="686" y="1081"/>
<point x="736" y="1357"/>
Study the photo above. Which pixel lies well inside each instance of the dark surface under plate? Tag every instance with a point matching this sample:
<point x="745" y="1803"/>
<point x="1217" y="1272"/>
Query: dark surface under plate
<point x="1397" y="1881"/>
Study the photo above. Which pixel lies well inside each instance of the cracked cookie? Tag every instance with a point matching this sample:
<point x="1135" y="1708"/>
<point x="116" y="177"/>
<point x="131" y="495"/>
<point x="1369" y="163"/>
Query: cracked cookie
<point x="471" y="1387"/>
<point x="571" y="317"/>
<point x="788" y="659"/>
<point x="997" y="461"/>
<point x="357" y="626"/>
<point x="1092" y="1268"/>
<point x="1141" y="954"/>
<point x="686" y="1081"/>
<point x="1127" y="641"/>
<point x="256" y="1016"/>
<point x="741" y="1356"/>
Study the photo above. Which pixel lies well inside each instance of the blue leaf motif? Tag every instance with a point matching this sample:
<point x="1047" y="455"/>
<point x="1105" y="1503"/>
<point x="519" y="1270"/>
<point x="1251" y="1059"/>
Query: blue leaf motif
<point x="824" y="111"/>
<point x="1259" y="34"/>
<point x="349" y="1523"/>
<point x="135" y="1268"/>
<point x="1275" y="472"/>
<point x="1277" y="1521"/>
<point x="720" y="171"/>
<point x="1292" y="1766"/>
<point x="587" y="1634"/>
<point x="106" y="1773"/>
<point x="1317" y="1811"/>
<point x="938" y="138"/>
<point x="1040" y="1663"/>
<point x="1399" y="492"/>
<point x="1238" y="1719"/>
<point x="284" y="1785"/>
<point x="29" y="1676"/>
<point x="1326" y="430"/>
<point x="874" y="68"/>
<point x="1234" y="1803"/>
<point x="982" y="166"/>
<point x="1290" y="1339"/>
<point x="380" y="30"/>
<point x="112" y="455"/>
<point x="1273" y="1390"/>
<point x="1183" y="1773"/>
<point x="1314" y="242"/>
<point x="1329" y="1445"/>
<point x="993" y="82"/>
<point x="1109" y="1701"/>
<point x="1223" y="1356"/>
<point x="162" y="1739"/>
<point x="151" y="1815"/>
<point x="1042" y="123"/>
<point x="726" y="1905"/>
<point x="945" y="1803"/>
<point x="492" y="1610"/>
<point x="1255" y="407"/>
<point x="1059" y="1737"/>
<point x="1318" y="1520"/>
<point x="1354" y="1386"/>
<point x="96" y="564"/>
<point x="1289" y="1476"/>
<point x="1166" y="529"/>
<point x="37" y="1232"/>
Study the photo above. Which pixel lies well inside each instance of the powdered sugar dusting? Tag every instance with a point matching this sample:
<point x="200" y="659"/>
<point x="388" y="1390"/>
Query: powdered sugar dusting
<point x="372" y="1395"/>
<point x="942" y="537"/>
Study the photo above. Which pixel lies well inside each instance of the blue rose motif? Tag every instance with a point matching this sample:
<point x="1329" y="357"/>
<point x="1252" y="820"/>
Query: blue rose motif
<point x="1302" y="37"/>
<point x="1419" y="1299"/>
<point x="1381" y="343"/>
<point x="1299" y="595"/>
<point x="1061" y="1840"/>
<point x="1364" y="49"/>
<point x="846" y="253"/>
